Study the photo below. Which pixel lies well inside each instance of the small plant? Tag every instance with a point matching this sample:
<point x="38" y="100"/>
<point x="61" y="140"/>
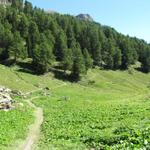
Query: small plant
<point x="91" y="82"/>
<point x="131" y="70"/>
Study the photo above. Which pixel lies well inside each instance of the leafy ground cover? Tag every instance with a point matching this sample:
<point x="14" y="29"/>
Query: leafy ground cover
<point x="111" y="112"/>
<point x="14" y="124"/>
<point x="105" y="110"/>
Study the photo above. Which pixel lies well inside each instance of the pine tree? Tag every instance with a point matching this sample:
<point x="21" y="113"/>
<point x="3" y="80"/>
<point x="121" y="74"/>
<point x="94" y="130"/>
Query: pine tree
<point x="108" y="56"/>
<point x="68" y="60"/>
<point x="117" y="58"/>
<point x="78" y="63"/>
<point x="70" y="35"/>
<point x="42" y="56"/>
<point x="50" y="37"/>
<point x="17" y="4"/>
<point x="60" y="46"/>
<point x="127" y="53"/>
<point x="23" y="26"/>
<point x="95" y="45"/>
<point x="18" y="49"/>
<point x="28" y="8"/>
<point x="87" y="59"/>
<point x="145" y="59"/>
<point x="33" y="38"/>
<point x="6" y="40"/>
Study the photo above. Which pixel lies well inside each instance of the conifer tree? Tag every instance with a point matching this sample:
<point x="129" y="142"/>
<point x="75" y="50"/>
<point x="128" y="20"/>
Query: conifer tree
<point x="108" y="56"/>
<point x="95" y="45"/>
<point x="145" y="60"/>
<point x="28" y="8"/>
<point x="33" y="38"/>
<point x="70" y="36"/>
<point x="87" y="59"/>
<point x="17" y="4"/>
<point x="117" y="58"/>
<point x="18" y="49"/>
<point x="78" y="63"/>
<point x="68" y="60"/>
<point x="60" y="46"/>
<point x="24" y="26"/>
<point x="42" y="56"/>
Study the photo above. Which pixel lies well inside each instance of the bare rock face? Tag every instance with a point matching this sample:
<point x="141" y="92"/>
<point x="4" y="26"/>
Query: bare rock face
<point x="85" y="17"/>
<point x="5" y="99"/>
<point x="51" y="11"/>
<point x="5" y="2"/>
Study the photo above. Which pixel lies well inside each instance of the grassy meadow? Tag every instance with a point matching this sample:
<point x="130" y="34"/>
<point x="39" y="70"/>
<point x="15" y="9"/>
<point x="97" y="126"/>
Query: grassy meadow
<point x="14" y="125"/>
<point x="105" y="110"/>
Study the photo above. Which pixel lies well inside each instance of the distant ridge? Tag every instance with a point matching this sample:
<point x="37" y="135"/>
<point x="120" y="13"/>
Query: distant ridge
<point x="85" y="17"/>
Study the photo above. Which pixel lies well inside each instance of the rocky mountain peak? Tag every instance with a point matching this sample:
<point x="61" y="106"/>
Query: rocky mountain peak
<point x="85" y="17"/>
<point x="5" y="2"/>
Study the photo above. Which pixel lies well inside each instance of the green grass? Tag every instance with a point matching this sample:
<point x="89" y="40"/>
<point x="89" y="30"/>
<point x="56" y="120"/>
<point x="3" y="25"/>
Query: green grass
<point x="106" y="109"/>
<point x="9" y="78"/>
<point x="14" y="125"/>
<point x="112" y="113"/>
<point x="25" y="82"/>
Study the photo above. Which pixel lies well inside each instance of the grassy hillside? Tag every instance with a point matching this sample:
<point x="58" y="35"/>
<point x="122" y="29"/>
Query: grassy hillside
<point x="14" y="124"/>
<point x="106" y="109"/>
<point x="25" y="82"/>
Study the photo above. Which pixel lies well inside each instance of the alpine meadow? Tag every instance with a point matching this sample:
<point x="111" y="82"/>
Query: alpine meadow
<point x="70" y="83"/>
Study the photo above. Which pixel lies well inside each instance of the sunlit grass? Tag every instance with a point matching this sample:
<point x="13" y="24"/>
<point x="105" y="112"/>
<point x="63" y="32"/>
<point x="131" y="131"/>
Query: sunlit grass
<point x="113" y="112"/>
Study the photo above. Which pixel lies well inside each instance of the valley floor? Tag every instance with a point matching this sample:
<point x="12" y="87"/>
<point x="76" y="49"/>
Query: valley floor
<point x="105" y="110"/>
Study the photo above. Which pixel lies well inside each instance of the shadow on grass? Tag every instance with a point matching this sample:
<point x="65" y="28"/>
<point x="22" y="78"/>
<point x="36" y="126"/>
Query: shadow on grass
<point x="8" y="62"/>
<point x="142" y="70"/>
<point x="61" y="75"/>
<point x="26" y="67"/>
<point x="57" y="71"/>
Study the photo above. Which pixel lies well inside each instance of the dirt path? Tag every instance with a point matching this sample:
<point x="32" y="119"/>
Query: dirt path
<point x="31" y="92"/>
<point x="34" y="130"/>
<point x="59" y="86"/>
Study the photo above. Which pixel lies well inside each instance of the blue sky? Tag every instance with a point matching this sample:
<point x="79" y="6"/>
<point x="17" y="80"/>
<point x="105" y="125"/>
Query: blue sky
<point x="126" y="16"/>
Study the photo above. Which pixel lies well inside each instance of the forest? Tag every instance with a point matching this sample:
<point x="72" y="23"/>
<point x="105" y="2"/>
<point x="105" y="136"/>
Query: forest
<point x="77" y="45"/>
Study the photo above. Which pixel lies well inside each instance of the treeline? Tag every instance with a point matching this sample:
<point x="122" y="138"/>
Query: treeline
<point x="28" y="32"/>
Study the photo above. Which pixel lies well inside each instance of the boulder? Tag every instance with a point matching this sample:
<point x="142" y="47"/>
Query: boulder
<point x="5" y="99"/>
